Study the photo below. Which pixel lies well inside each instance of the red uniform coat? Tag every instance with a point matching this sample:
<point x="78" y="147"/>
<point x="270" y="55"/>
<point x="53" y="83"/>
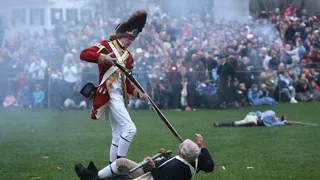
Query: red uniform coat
<point x="102" y="96"/>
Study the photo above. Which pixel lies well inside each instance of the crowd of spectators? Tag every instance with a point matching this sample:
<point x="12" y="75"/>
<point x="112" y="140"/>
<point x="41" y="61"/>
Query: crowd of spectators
<point x="185" y="62"/>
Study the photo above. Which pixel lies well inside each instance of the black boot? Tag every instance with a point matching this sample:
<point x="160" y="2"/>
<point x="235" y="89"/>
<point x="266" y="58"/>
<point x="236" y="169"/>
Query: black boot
<point x="250" y="124"/>
<point x="92" y="167"/>
<point x="216" y="124"/>
<point x="85" y="174"/>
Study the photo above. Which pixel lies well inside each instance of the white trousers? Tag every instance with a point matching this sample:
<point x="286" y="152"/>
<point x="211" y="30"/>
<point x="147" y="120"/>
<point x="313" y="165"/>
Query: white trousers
<point x="125" y="165"/>
<point x="248" y="119"/>
<point x="121" y="123"/>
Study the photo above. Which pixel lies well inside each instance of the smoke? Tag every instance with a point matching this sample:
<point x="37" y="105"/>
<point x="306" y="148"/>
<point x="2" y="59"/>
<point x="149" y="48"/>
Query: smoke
<point x="231" y="10"/>
<point x="226" y="10"/>
<point x="183" y="7"/>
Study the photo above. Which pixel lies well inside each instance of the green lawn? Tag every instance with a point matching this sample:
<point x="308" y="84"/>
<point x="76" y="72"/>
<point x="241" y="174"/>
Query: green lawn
<point x="47" y="143"/>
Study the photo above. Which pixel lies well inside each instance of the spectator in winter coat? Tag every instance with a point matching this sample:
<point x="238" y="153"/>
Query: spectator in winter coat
<point x="286" y="83"/>
<point x="25" y="97"/>
<point x="38" y="97"/>
<point x="256" y="97"/>
<point x="10" y="101"/>
<point x="207" y="93"/>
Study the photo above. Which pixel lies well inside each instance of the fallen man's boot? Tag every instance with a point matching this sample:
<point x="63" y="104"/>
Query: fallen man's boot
<point x="226" y="124"/>
<point x="92" y="167"/>
<point x="250" y="124"/>
<point x="85" y="174"/>
<point x="283" y="117"/>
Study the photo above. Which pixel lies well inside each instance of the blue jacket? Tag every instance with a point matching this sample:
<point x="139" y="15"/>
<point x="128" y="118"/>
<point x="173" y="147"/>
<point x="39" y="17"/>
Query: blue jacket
<point x="207" y="89"/>
<point x="26" y="96"/>
<point x="253" y="95"/>
<point x="38" y="96"/>
<point x="269" y="118"/>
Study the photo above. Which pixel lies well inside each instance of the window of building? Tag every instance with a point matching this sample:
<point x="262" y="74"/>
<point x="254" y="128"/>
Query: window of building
<point x="86" y="15"/>
<point x="37" y="16"/>
<point x="18" y="17"/>
<point x="56" y="15"/>
<point x="72" y="14"/>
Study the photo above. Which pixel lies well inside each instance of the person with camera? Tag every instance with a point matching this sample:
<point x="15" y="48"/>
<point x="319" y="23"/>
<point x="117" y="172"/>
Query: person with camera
<point x="70" y="75"/>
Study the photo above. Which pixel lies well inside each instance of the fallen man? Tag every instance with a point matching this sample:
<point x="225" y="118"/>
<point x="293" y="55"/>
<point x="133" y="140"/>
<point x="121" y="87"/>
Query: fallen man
<point x="267" y="118"/>
<point x="192" y="158"/>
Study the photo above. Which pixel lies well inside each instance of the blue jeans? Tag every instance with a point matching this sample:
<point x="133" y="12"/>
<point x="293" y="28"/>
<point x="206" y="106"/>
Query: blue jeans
<point x="264" y="101"/>
<point x="38" y="105"/>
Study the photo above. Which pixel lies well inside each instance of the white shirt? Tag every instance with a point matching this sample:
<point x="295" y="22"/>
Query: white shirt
<point x="116" y="86"/>
<point x="70" y="74"/>
<point x="294" y="54"/>
<point x="37" y="69"/>
<point x="266" y="62"/>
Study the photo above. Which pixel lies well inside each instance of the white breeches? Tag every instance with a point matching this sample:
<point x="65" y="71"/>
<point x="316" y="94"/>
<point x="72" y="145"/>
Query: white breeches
<point x="248" y="119"/>
<point x="121" y="123"/>
<point x="124" y="165"/>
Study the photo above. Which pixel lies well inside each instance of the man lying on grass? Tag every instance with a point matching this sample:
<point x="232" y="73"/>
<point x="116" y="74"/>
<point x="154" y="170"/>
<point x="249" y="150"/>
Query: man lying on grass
<point x="192" y="158"/>
<point x="267" y="118"/>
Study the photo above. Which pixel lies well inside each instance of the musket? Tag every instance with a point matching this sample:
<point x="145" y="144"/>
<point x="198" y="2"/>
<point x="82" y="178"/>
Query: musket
<point x="130" y="76"/>
<point x="165" y="154"/>
<point x="301" y="123"/>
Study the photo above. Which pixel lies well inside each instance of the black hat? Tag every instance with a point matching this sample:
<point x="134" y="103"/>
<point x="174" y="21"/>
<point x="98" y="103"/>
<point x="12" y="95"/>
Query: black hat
<point x="134" y="25"/>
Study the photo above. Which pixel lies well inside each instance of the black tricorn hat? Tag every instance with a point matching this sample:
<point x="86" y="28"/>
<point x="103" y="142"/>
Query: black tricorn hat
<point x="134" y="25"/>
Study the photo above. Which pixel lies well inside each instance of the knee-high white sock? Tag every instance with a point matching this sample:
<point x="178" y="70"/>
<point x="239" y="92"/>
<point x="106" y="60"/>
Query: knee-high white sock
<point x="108" y="171"/>
<point x="123" y="147"/>
<point x="113" y="152"/>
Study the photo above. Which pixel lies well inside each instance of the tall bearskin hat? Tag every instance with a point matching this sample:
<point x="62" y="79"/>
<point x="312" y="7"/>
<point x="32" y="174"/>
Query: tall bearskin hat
<point x="133" y="26"/>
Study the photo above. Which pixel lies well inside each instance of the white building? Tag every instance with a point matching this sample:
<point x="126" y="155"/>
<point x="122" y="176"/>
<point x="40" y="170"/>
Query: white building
<point x="36" y="15"/>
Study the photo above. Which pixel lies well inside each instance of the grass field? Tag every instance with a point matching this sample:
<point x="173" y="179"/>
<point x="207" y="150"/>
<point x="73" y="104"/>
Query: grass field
<point x="45" y="144"/>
